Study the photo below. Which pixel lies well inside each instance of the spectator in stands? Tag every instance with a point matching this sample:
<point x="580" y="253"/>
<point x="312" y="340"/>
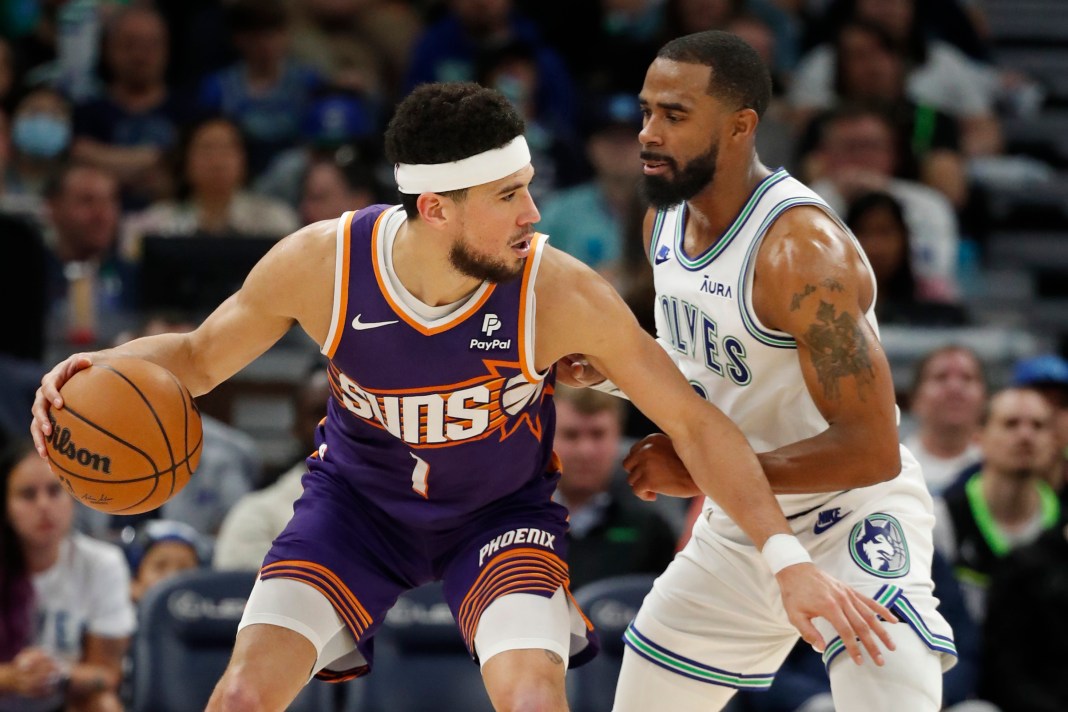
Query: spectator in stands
<point x="1008" y="503"/>
<point x="611" y="532"/>
<point x="266" y="92"/>
<point x="802" y="685"/>
<point x="555" y="147"/>
<point x="857" y="155"/>
<point x="1048" y="374"/>
<point x="65" y="610"/>
<point x="449" y="49"/>
<point x="158" y="549"/>
<point x="129" y="128"/>
<point x="783" y="23"/>
<point x="230" y="467"/>
<point x="776" y="140"/>
<point x="871" y="69"/>
<point x="212" y="199"/>
<point x="939" y="75"/>
<point x="258" y="517"/>
<point x="878" y="221"/>
<point x="339" y="127"/>
<point x="358" y="45"/>
<point x="92" y="289"/>
<point x="1026" y="631"/>
<point x="946" y="402"/>
<point x="595" y="220"/>
<point x="329" y="189"/>
<point x="40" y="142"/>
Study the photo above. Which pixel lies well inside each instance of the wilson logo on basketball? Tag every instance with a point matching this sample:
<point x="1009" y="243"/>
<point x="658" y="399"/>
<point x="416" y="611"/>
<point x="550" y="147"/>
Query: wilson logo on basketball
<point x="60" y="440"/>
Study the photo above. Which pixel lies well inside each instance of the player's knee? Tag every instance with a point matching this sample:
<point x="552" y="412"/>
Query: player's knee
<point x="532" y="695"/>
<point x="236" y="693"/>
<point x="532" y="689"/>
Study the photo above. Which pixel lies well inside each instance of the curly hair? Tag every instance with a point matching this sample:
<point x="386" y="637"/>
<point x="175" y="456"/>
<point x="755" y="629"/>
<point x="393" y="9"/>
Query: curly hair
<point x="449" y="121"/>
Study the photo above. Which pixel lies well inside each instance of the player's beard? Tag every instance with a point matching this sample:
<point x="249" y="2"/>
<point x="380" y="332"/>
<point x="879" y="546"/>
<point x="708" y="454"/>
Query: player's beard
<point x="483" y="268"/>
<point x="681" y="184"/>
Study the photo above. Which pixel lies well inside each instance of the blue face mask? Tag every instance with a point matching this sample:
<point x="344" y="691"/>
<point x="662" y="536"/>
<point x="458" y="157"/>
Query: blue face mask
<point x="40" y="135"/>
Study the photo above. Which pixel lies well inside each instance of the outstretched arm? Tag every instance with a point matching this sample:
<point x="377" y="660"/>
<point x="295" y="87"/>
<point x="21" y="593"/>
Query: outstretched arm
<point x="286" y="286"/>
<point x="579" y="312"/>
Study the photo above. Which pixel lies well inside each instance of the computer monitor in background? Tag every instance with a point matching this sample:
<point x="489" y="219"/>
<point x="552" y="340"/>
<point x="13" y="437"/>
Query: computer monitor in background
<point x="193" y="275"/>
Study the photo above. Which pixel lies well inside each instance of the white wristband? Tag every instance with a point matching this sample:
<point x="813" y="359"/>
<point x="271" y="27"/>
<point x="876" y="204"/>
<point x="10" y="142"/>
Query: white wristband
<point x="782" y="550"/>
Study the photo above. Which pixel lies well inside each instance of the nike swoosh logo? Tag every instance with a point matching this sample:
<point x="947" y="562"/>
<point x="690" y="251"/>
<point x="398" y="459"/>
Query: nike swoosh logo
<point x="361" y="325"/>
<point x="820" y="527"/>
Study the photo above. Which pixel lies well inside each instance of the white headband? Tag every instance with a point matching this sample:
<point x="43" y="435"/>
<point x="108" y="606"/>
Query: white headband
<point x="485" y="167"/>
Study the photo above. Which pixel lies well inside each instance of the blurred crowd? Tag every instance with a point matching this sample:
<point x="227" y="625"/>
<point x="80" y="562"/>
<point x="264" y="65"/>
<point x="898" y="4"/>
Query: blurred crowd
<point x="219" y="126"/>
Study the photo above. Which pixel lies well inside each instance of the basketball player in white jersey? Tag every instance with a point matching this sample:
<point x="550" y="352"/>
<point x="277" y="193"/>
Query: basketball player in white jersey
<point x="765" y="302"/>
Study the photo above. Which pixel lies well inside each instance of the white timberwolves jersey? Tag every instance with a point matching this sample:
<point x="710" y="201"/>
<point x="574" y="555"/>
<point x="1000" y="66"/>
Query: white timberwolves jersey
<point x="706" y="322"/>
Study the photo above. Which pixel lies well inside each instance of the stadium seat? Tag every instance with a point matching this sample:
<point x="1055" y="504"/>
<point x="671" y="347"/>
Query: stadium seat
<point x="611" y="605"/>
<point x="420" y="661"/>
<point x="184" y="640"/>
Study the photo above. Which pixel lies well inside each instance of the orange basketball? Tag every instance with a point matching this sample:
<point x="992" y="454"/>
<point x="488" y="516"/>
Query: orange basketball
<point x="127" y="438"/>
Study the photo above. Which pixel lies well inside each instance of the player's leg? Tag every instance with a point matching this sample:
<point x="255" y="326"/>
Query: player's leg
<point x="523" y="643"/>
<point x="644" y="685"/>
<point x="507" y="587"/>
<point x="910" y="680"/>
<point x="289" y="631"/>
<point x="710" y="626"/>
<point x="269" y="666"/>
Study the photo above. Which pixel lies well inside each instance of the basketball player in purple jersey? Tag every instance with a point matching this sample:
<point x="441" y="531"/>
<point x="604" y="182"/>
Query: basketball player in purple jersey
<point x="435" y="459"/>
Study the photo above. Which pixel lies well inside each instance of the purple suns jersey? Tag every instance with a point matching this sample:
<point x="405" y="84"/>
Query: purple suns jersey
<point x="431" y="420"/>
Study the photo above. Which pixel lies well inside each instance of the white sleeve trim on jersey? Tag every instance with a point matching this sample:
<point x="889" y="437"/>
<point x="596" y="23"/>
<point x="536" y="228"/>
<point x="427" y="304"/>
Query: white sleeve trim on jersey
<point x="339" y="281"/>
<point x="529" y="364"/>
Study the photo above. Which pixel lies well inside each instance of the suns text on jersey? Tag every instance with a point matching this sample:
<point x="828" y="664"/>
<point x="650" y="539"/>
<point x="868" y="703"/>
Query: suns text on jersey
<point x="439" y="416"/>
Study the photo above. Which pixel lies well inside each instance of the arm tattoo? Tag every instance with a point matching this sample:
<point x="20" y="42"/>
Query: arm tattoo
<point x="839" y="349"/>
<point x="795" y="303"/>
<point x="554" y="658"/>
<point x="833" y="284"/>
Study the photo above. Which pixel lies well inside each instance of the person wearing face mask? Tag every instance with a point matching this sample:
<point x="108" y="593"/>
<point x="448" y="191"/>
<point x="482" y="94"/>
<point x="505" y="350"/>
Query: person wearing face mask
<point x="40" y="138"/>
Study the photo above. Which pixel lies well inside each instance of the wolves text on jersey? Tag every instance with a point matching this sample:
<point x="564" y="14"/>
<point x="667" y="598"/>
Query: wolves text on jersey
<point x="694" y="333"/>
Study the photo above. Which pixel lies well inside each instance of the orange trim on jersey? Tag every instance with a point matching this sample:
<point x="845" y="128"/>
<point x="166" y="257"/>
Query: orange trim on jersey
<point x="346" y="249"/>
<point x="332" y="676"/>
<point x="328" y="583"/>
<point x="400" y="311"/>
<point x="529" y="369"/>
<point x="524" y="570"/>
<point x="577" y="607"/>
<point x="492" y="372"/>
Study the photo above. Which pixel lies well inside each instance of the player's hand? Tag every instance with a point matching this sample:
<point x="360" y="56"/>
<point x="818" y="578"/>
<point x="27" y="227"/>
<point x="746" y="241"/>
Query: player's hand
<point x="654" y="468"/>
<point x="37" y="673"/>
<point x="809" y="593"/>
<point x="574" y="370"/>
<point x="48" y="397"/>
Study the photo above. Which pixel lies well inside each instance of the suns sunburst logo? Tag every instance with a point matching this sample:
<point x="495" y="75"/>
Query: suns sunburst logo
<point x="498" y="402"/>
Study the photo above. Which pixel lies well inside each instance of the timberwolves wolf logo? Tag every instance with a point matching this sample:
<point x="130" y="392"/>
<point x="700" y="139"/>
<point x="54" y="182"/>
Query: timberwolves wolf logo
<point x="878" y="546"/>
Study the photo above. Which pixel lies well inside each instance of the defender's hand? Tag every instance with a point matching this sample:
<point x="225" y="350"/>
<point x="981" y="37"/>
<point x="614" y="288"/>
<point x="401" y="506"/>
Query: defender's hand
<point x="809" y="593"/>
<point x="654" y="468"/>
<point x="48" y="397"/>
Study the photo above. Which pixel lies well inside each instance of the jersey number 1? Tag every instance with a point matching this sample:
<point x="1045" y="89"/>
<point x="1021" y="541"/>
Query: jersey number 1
<point x="420" y="474"/>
